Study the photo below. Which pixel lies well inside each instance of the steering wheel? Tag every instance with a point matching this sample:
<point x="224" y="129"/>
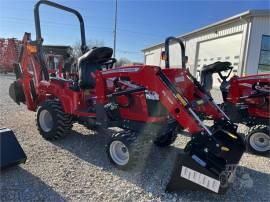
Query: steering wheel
<point x="107" y="63"/>
<point x="224" y="77"/>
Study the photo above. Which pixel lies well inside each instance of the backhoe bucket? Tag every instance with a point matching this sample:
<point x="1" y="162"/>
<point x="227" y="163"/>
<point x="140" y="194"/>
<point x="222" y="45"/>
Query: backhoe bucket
<point x="208" y="163"/>
<point x="16" y="92"/>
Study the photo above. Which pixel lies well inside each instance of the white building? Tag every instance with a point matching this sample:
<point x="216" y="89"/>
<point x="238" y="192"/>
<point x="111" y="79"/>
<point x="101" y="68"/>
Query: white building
<point x="243" y="40"/>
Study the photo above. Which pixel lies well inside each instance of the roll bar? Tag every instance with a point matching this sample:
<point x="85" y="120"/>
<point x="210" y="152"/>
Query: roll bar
<point x="61" y="7"/>
<point x="167" y="51"/>
<point x="39" y="39"/>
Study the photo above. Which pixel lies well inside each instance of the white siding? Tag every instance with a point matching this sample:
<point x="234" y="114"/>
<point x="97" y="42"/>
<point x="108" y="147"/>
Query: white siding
<point x="226" y="48"/>
<point x="192" y="44"/>
<point x="152" y="57"/>
<point x="260" y="26"/>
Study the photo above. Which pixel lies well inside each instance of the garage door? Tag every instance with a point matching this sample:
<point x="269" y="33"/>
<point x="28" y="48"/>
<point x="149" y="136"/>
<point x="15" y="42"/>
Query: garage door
<point x="221" y="49"/>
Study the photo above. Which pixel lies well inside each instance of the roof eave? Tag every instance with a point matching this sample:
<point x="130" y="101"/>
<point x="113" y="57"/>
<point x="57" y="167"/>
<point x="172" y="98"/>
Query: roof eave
<point x="246" y="14"/>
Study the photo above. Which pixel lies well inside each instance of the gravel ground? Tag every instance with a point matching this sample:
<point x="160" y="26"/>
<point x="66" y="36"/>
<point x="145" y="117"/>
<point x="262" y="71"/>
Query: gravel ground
<point x="76" y="168"/>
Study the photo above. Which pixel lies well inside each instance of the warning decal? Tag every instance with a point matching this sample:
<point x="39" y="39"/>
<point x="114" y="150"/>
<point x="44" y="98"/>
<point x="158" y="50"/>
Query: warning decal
<point x="200" y="179"/>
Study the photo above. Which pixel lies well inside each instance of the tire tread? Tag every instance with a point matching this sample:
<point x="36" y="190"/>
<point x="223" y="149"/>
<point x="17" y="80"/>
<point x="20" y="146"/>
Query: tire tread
<point x="63" y="122"/>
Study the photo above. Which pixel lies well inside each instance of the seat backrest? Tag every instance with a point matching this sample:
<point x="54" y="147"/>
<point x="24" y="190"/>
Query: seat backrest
<point x="217" y="67"/>
<point x="208" y="71"/>
<point x="91" y="61"/>
<point x="207" y="80"/>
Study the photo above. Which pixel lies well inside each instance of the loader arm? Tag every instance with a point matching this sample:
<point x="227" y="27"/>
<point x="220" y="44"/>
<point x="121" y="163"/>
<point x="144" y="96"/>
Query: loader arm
<point x="155" y="80"/>
<point x="213" y="147"/>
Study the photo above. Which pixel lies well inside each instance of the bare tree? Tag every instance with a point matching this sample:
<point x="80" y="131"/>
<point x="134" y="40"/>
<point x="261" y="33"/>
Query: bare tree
<point x="76" y="51"/>
<point x="76" y="48"/>
<point x="122" y="62"/>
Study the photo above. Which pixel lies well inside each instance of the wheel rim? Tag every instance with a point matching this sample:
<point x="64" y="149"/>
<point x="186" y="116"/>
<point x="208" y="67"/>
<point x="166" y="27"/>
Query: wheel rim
<point x="45" y="120"/>
<point x="119" y="152"/>
<point x="260" y="142"/>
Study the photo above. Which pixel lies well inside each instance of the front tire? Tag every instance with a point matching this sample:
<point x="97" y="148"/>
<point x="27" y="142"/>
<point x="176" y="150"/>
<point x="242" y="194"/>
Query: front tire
<point x="258" y="139"/>
<point x="167" y="139"/>
<point x="124" y="150"/>
<point x="52" y="121"/>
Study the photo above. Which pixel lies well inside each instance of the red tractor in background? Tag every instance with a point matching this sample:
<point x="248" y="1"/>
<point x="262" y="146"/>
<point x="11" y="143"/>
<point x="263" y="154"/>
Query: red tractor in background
<point x="246" y="100"/>
<point x="59" y="61"/>
<point x="9" y="53"/>
<point x="145" y="102"/>
<point x="58" y="58"/>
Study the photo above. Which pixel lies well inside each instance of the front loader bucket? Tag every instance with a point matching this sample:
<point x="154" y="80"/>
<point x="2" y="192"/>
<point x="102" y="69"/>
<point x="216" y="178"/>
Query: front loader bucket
<point x="11" y="153"/>
<point x="208" y="163"/>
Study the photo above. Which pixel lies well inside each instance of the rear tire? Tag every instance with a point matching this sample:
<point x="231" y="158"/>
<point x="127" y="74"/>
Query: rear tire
<point x="167" y="139"/>
<point x="124" y="150"/>
<point x="258" y="139"/>
<point x="52" y="121"/>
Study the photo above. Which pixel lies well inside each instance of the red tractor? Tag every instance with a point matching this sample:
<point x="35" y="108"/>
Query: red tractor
<point x="246" y="100"/>
<point x="145" y="102"/>
<point x="9" y="53"/>
<point x="59" y="60"/>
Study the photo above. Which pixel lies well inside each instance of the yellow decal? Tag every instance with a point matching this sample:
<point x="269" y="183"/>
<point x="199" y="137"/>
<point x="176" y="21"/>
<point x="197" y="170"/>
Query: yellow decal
<point x="181" y="99"/>
<point x="226" y="149"/>
<point x="230" y="134"/>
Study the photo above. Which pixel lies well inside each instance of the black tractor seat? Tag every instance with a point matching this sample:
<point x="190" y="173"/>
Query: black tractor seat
<point x="209" y="70"/>
<point x="91" y="61"/>
<point x="217" y="67"/>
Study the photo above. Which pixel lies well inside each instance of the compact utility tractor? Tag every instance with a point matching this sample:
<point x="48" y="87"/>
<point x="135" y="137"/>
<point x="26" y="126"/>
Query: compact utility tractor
<point x="146" y="102"/>
<point x="246" y="100"/>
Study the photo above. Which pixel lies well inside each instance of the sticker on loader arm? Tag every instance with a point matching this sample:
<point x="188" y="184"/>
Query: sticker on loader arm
<point x="200" y="179"/>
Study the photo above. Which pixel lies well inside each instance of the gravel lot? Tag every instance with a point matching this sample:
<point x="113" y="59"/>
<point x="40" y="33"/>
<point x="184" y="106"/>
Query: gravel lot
<point x="76" y="168"/>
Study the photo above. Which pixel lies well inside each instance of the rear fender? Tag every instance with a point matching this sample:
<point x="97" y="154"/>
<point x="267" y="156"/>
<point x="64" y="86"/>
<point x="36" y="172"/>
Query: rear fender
<point x="56" y="90"/>
<point x="67" y="104"/>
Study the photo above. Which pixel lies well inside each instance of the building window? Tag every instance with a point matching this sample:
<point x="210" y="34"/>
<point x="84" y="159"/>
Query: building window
<point x="211" y="59"/>
<point x="236" y="57"/>
<point x="219" y="58"/>
<point x="235" y="64"/>
<point x="227" y="57"/>
<point x="199" y="60"/>
<point x="264" y="61"/>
